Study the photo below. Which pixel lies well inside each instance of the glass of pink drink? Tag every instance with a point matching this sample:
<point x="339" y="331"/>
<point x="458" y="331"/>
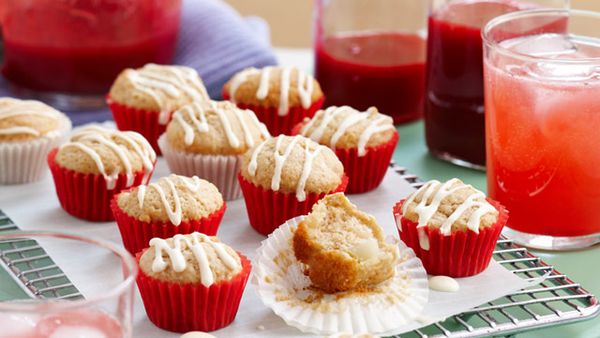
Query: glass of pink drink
<point x="102" y="272"/>
<point x="542" y="104"/>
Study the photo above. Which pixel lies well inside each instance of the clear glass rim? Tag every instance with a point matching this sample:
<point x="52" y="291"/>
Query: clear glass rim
<point x="492" y="24"/>
<point x="122" y="287"/>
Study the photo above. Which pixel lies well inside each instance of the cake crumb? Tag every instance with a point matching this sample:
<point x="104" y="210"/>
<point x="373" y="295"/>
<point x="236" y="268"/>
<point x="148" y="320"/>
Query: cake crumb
<point x="261" y="327"/>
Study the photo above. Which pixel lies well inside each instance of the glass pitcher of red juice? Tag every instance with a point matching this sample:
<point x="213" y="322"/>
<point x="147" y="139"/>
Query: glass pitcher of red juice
<point x="69" y="52"/>
<point x="454" y="113"/>
<point x="372" y="53"/>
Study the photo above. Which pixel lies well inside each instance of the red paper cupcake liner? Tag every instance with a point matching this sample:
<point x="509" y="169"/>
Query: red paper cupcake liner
<point x="460" y="254"/>
<point x="268" y="209"/>
<point x="142" y="121"/>
<point x="85" y="196"/>
<point x="192" y="307"/>
<point x="365" y="173"/>
<point x="137" y="234"/>
<point x="280" y="124"/>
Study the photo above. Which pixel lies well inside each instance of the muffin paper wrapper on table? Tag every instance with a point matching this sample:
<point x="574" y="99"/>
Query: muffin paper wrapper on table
<point x="86" y="196"/>
<point x="25" y="161"/>
<point x="267" y="209"/>
<point x="137" y="234"/>
<point x="220" y="170"/>
<point x="460" y="254"/>
<point x="365" y="173"/>
<point x="280" y="124"/>
<point x="142" y="121"/>
<point x="192" y="307"/>
<point x="284" y="288"/>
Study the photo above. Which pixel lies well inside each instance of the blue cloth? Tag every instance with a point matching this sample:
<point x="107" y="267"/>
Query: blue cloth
<point x="213" y="39"/>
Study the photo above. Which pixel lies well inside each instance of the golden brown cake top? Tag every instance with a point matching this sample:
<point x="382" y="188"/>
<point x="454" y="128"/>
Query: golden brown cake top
<point x="108" y="152"/>
<point x="345" y="127"/>
<point x="450" y="206"/>
<point x="158" y="88"/>
<point x="171" y="199"/>
<point x="337" y="238"/>
<point x="218" y="128"/>
<point x="276" y="87"/>
<point x="292" y="164"/>
<point x="24" y="120"/>
<point x="194" y="258"/>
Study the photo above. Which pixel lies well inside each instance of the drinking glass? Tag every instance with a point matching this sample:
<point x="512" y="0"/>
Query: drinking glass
<point x="372" y="53"/>
<point x="100" y="305"/>
<point x="454" y="112"/>
<point x="69" y="52"/>
<point x="542" y="109"/>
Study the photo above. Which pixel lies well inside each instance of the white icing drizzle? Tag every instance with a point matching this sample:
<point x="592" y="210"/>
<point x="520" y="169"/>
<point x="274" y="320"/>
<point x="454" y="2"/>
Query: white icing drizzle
<point x="280" y="158"/>
<point x="305" y="86"/>
<point x="152" y="80"/>
<point x="175" y="215"/>
<point x="201" y="125"/>
<point x="106" y="137"/>
<point x="306" y="169"/>
<point x="443" y="284"/>
<point x="426" y="211"/>
<point x="194" y="242"/>
<point x="325" y="117"/>
<point x="25" y="108"/>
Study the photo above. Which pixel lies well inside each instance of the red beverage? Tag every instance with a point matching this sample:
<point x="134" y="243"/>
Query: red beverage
<point x="80" y="47"/>
<point x="454" y="119"/>
<point x="384" y="69"/>
<point x="542" y="122"/>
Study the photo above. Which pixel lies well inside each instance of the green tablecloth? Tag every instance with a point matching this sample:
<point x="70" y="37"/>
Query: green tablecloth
<point x="581" y="266"/>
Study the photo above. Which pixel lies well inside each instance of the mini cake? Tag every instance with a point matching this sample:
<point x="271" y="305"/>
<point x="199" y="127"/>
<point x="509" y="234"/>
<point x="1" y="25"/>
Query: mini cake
<point x="173" y="205"/>
<point x="143" y="99"/>
<point x="342" y="247"/>
<point x="280" y="96"/>
<point x="208" y="140"/>
<point x="363" y="141"/>
<point x="96" y="164"/>
<point x="191" y="282"/>
<point x="28" y="131"/>
<point x="451" y="226"/>
<point x="287" y="174"/>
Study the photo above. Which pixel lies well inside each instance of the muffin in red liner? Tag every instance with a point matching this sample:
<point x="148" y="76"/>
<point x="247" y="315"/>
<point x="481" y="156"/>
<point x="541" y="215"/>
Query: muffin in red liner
<point x="363" y="141"/>
<point x="172" y="205"/>
<point x="143" y="99"/>
<point x="282" y="206"/>
<point x="462" y="252"/>
<point x="281" y="97"/>
<point x="79" y="169"/>
<point x="282" y="177"/>
<point x="281" y="124"/>
<point x="180" y="301"/>
<point x="145" y="122"/>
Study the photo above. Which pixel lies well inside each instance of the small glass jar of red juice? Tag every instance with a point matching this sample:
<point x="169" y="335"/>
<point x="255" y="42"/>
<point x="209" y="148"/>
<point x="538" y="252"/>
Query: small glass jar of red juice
<point x="372" y="53"/>
<point x="69" y="52"/>
<point x="454" y="114"/>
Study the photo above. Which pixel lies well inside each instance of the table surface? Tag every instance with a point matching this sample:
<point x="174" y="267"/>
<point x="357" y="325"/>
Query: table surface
<point x="581" y="266"/>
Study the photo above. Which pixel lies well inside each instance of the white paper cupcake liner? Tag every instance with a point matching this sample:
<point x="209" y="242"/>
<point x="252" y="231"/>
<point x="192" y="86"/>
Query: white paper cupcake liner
<point x="284" y="288"/>
<point x="220" y="170"/>
<point x="25" y="162"/>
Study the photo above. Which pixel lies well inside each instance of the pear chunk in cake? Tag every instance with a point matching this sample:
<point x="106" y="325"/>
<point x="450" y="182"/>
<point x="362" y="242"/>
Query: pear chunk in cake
<point x="342" y="247"/>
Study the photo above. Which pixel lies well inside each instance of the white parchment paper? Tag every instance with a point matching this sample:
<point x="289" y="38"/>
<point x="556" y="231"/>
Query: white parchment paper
<point x="35" y="207"/>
